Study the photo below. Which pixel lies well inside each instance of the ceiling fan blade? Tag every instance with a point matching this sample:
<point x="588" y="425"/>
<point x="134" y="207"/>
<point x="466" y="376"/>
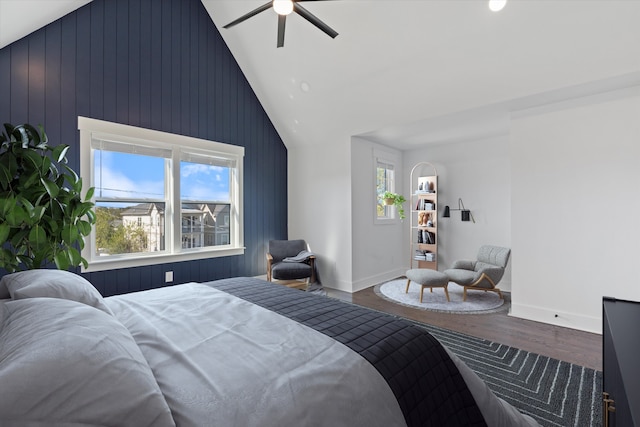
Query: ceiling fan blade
<point x="282" y="19"/>
<point x="254" y="12"/>
<point x="314" y="20"/>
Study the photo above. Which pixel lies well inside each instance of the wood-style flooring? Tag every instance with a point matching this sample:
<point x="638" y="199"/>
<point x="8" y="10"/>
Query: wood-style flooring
<point x="578" y="347"/>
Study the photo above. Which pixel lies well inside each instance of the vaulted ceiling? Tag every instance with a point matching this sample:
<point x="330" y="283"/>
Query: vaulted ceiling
<point x="410" y="72"/>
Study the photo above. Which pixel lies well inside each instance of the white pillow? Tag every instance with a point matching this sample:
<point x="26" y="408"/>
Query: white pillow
<point x="53" y="284"/>
<point x="64" y="363"/>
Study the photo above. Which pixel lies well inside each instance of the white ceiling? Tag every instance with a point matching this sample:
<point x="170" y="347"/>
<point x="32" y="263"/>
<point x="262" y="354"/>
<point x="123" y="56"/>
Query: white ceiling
<point x="410" y="72"/>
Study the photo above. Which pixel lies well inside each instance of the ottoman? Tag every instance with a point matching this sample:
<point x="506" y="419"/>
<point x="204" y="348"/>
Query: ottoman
<point x="427" y="278"/>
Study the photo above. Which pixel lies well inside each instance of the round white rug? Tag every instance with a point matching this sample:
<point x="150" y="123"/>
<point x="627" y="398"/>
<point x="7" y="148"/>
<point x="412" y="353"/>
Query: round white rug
<point x="477" y="302"/>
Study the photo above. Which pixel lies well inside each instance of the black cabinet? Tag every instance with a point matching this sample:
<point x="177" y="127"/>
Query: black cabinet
<point x="621" y="362"/>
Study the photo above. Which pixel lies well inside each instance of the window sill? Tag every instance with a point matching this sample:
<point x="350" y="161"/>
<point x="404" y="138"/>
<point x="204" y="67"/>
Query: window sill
<point x="140" y="261"/>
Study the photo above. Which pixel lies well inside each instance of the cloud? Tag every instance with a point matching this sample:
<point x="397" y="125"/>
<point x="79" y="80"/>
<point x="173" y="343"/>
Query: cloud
<point x="188" y="169"/>
<point x="111" y="182"/>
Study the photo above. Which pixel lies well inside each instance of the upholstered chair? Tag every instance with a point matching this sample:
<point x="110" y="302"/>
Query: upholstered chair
<point x="482" y="274"/>
<point x="282" y="263"/>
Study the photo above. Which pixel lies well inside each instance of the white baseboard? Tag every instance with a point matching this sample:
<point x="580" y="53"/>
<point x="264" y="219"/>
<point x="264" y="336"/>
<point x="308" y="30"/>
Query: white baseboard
<point x="558" y="318"/>
<point x="367" y="282"/>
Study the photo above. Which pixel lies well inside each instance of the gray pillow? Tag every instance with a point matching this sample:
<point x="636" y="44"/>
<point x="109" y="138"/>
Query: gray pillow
<point x="64" y="363"/>
<point x="53" y="284"/>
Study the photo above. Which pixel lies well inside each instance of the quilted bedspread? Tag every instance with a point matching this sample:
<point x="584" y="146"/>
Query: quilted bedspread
<point x="425" y="380"/>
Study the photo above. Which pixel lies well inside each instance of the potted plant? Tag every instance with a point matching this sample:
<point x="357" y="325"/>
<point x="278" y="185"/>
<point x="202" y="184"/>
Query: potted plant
<point x="43" y="217"/>
<point x="395" y="199"/>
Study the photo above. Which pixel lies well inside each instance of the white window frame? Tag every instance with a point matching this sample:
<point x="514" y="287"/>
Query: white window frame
<point x="387" y="159"/>
<point x="92" y="128"/>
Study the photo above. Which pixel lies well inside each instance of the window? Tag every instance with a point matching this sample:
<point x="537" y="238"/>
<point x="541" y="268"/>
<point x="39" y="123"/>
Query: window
<point x="385" y="170"/>
<point x="159" y="197"/>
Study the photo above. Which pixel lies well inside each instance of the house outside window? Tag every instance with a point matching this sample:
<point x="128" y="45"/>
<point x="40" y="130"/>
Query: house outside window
<point x="158" y="196"/>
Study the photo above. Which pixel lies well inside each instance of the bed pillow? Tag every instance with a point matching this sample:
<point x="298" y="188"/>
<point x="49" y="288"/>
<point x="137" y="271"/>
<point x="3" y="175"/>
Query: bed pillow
<point x="64" y="363"/>
<point x="53" y="284"/>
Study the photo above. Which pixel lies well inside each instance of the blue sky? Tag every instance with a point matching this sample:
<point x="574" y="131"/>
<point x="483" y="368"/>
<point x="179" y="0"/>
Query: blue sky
<point x="141" y="177"/>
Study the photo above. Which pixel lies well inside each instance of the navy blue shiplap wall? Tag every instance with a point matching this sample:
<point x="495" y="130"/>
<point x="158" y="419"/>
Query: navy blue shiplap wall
<point x="158" y="64"/>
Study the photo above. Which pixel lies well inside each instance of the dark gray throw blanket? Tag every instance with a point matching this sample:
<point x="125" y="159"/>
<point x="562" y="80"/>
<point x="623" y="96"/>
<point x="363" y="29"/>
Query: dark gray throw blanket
<point x="425" y="381"/>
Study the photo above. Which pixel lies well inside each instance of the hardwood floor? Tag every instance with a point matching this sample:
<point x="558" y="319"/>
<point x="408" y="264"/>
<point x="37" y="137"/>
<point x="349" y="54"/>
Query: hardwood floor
<point x="578" y="347"/>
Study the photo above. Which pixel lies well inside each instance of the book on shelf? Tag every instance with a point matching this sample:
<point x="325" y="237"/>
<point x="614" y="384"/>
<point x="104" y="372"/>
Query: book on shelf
<point x="425" y="205"/>
<point x="424" y="255"/>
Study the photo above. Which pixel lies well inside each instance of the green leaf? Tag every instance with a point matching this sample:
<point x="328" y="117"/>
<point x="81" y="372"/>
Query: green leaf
<point x="69" y="234"/>
<point x="32" y="133"/>
<point x="60" y="152"/>
<point x="53" y="226"/>
<point x="91" y="216"/>
<point x="61" y="259"/>
<point x="38" y="212"/>
<point x="45" y="168"/>
<point x="37" y="237"/>
<point x="52" y="188"/>
<point x="73" y="175"/>
<point x="89" y="194"/>
<point x="27" y="261"/>
<point x="5" y="177"/>
<point x="5" y="229"/>
<point x="10" y="218"/>
<point x="74" y="256"/>
<point x="6" y="205"/>
<point x="31" y="180"/>
<point x="20" y="239"/>
<point x="84" y="227"/>
<point x="9" y="260"/>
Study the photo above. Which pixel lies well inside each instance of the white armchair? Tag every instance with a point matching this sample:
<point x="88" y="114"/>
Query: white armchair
<point x="482" y="274"/>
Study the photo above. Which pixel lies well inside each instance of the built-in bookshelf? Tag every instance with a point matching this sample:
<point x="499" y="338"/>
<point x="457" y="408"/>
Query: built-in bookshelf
<point x="424" y="219"/>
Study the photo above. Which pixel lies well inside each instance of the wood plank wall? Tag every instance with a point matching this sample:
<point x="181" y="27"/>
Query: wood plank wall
<point x="158" y="64"/>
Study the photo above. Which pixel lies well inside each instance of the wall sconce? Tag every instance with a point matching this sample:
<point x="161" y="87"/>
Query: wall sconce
<point x="465" y="214"/>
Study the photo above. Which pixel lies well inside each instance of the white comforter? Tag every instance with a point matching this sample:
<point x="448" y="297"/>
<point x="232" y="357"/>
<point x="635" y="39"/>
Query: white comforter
<point x="221" y="361"/>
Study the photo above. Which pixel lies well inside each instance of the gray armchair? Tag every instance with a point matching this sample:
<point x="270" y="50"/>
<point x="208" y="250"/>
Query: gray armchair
<point x="482" y="274"/>
<point x="289" y="260"/>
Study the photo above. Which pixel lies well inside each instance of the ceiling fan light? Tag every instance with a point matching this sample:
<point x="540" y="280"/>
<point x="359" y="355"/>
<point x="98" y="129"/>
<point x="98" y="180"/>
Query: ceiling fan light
<point x="497" y="5"/>
<point x="283" y="7"/>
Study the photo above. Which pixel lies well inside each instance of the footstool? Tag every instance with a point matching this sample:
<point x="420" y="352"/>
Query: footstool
<point x="427" y="278"/>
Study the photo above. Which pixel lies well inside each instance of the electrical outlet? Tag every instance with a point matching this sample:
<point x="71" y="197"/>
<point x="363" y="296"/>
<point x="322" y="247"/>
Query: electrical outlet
<point x="168" y="276"/>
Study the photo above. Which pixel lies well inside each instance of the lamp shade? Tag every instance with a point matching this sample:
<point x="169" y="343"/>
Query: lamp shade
<point x="446" y="213"/>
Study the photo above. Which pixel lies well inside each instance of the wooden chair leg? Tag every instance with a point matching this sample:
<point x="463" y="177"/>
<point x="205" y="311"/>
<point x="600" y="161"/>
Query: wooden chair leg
<point x="499" y="293"/>
<point x="421" y="291"/>
<point x="446" y="292"/>
<point x="464" y="294"/>
<point x="407" y="289"/>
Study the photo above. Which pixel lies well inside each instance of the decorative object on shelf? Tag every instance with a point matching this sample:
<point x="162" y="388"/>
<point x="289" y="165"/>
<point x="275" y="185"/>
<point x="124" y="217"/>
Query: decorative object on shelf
<point x="465" y="214"/>
<point x="43" y="217"/>
<point x="395" y="199"/>
<point x="423" y="219"/>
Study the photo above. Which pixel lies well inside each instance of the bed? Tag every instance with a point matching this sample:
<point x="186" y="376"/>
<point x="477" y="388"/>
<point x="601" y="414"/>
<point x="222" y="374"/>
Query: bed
<point x="233" y="352"/>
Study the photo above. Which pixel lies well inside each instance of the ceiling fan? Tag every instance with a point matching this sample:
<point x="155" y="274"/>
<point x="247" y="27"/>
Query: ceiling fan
<point x="284" y="8"/>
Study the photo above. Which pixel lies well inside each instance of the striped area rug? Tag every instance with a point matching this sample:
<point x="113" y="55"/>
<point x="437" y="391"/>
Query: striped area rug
<point x="553" y="392"/>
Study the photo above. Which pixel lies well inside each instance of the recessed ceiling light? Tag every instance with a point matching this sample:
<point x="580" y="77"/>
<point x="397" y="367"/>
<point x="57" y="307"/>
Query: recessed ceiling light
<point x="497" y="5"/>
<point x="304" y="86"/>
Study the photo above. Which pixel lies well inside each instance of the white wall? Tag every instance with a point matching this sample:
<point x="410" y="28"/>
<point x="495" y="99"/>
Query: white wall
<point x="320" y="207"/>
<point x="378" y="249"/>
<point x="575" y="208"/>
<point x="478" y="172"/>
<point x="560" y="189"/>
